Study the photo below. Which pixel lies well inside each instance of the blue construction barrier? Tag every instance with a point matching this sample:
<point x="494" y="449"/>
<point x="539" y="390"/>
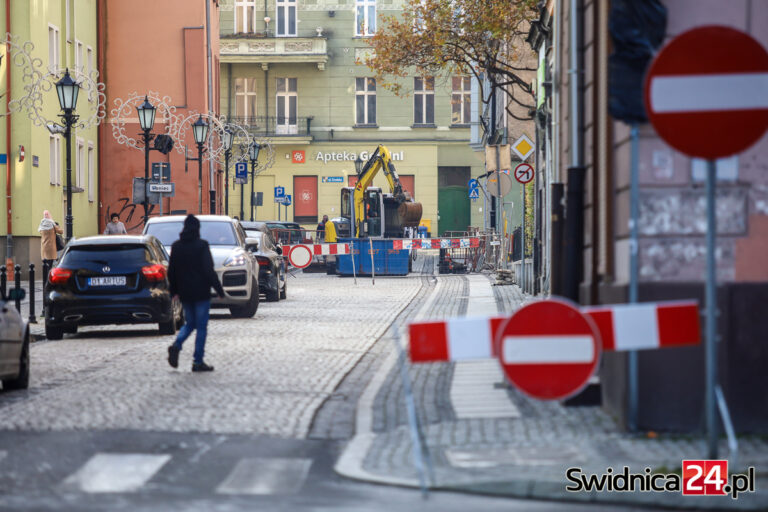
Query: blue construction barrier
<point x="387" y="261"/>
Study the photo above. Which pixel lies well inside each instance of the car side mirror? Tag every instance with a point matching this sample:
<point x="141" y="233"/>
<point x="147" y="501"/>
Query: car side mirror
<point x="15" y="294"/>
<point x="279" y="250"/>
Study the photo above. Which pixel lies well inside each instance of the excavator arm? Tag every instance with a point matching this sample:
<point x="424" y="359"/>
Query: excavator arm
<point x="381" y="159"/>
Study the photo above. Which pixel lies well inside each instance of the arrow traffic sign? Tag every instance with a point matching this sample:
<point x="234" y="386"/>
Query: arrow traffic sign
<point x="705" y="92"/>
<point x="548" y="349"/>
<point x="524" y="173"/>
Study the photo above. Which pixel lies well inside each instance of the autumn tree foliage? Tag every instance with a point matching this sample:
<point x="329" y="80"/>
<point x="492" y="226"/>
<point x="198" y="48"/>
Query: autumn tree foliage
<point x="469" y="37"/>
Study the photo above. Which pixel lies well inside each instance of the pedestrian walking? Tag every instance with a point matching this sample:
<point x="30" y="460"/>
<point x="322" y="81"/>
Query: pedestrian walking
<point x="49" y="249"/>
<point x="321" y="229"/>
<point x="114" y="226"/>
<point x="191" y="276"/>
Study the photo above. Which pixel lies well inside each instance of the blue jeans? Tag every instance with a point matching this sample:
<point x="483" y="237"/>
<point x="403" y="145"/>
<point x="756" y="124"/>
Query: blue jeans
<point x="196" y="317"/>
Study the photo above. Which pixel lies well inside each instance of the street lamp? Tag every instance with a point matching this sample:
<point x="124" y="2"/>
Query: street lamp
<point x="253" y="153"/>
<point x="227" y="141"/>
<point x="358" y="165"/>
<point x="200" y="131"/>
<point x="146" y="113"/>
<point x="68" y="89"/>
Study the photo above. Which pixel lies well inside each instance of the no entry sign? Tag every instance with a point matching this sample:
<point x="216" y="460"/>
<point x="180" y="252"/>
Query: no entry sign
<point x="300" y="256"/>
<point x="548" y="349"/>
<point x="524" y="173"/>
<point x="706" y="92"/>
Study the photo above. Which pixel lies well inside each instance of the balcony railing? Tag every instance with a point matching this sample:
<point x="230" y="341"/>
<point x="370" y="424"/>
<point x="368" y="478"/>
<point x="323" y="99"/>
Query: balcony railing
<point x="251" y="48"/>
<point x="272" y="126"/>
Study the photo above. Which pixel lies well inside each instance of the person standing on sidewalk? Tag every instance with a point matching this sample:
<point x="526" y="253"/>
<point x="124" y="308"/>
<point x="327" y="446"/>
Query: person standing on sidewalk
<point x="191" y="276"/>
<point x="114" y="226"/>
<point x="48" y="230"/>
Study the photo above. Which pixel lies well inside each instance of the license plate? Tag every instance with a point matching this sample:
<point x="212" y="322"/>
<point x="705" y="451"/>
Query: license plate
<point x="107" y="281"/>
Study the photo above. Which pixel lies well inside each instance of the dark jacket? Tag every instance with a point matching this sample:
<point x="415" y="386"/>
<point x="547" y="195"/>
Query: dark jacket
<point x="190" y="270"/>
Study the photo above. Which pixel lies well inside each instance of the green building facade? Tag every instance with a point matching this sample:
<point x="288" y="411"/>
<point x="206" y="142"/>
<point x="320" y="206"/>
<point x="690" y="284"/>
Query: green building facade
<point x="62" y="34"/>
<point x="290" y="72"/>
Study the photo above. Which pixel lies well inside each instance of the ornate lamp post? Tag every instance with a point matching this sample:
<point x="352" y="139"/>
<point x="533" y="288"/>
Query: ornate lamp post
<point x="200" y="131"/>
<point x="359" y="165"/>
<point x="227" y="141"/>
<point x="68" y="89"/>
<point x="253" y="153"/>
<point x="146" y="113"/>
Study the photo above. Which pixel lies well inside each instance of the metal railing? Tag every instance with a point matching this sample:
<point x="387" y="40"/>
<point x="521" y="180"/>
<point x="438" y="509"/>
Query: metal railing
<point x="273" y="126"/>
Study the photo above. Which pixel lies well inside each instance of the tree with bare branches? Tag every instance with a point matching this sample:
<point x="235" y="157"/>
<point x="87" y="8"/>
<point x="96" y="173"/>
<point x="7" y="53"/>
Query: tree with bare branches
<point x="483" y="38"/>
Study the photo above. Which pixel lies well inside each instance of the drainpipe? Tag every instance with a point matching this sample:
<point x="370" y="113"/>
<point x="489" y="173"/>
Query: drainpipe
<point x="574" y="213"/>
<point x="211" y="172"/>
<point x="8" y="66"/>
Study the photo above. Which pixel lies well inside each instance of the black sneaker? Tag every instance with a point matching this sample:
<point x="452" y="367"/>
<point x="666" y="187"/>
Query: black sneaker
<point x="201" y="367"/>
<point x="173" y="356"/>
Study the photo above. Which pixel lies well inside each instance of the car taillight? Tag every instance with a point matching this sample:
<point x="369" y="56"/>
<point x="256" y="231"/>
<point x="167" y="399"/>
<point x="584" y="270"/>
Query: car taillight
<point x="154" y="273"/>
<point x="262" y="260"/>
<point x="59" y="275"/>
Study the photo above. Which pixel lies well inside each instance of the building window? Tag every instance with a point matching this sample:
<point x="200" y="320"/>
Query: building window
<point x="245" y="99"/>
<point x="365" y="18"/>
<point x="53" y="48"/>
<point x="91" y="173"/>
<point x="461" y="99"/>
<point x="54" y="159"/>
<point x="245" y="16"/>
<point x="79" y="55"/>
<point x="365" y="101"/>
<point x="89" y="62"/>
<point x="80" y="165"/>
<point x="424" y="100"/>
<point x="286" y="17"/>
<point x="287" y="100"/>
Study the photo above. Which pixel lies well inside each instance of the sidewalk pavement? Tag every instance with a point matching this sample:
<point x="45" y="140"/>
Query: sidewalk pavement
<point x="521" y="448"/>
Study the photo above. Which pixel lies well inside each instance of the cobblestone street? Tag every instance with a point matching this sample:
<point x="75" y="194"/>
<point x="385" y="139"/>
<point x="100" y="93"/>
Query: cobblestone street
<point x="273" y="371"/>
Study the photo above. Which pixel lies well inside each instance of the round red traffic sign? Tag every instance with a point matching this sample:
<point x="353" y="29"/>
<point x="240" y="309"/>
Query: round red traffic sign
<point x="548" y="349"/>
<point x="300" y="256"/>
<point x="524" y="173"/>
<point x="705" y="92"/>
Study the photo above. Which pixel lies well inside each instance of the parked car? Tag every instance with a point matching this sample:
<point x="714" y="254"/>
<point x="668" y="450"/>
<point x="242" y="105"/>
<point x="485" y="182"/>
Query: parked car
<point x="235" y="264"/>
<point x="110" y="280"/>
<point x="285" y="232"/>
<point x="272" y="275"/>
<point x="14" y="346"/>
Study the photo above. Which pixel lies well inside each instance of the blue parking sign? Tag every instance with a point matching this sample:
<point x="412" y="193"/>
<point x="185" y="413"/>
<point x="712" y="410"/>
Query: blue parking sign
<point x="279" y="191"/>
<point x="241" y="170"/>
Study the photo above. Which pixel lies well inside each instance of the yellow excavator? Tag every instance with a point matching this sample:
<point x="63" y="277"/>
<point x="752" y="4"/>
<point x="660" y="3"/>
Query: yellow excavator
<point x="373" y="214"/>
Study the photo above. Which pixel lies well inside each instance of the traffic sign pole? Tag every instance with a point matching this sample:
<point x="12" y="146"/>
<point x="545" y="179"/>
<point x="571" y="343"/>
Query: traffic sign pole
<point x="711" y="322"/>
<point x="634" y="209"/>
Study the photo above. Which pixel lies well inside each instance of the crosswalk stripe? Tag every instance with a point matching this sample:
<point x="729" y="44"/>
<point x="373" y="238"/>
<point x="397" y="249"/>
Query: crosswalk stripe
<point x="474" y="394"/>
<point x="116" y="472"/>
<point x="266" y="476"/>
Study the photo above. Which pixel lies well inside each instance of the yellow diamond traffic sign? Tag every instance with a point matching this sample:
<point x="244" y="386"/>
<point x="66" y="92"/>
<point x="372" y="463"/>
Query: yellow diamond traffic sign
<point x="523" y="147"/>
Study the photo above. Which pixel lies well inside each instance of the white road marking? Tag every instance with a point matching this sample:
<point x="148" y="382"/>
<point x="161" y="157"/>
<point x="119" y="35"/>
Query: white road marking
<point x="266" y="476"/>
<point x="531" y="349"/>
<point x="706" y="93"/>
<point x="116" y="472"/>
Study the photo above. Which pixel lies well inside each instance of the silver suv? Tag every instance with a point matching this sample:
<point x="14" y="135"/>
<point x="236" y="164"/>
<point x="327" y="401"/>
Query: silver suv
<point x="233" y="258"/>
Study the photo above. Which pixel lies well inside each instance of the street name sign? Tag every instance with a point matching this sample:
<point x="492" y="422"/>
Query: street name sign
<point x="548" y="349"/>
<point x="706" y="92"/>
<point x="164" y="188"/>
<point x="524" y="173"/>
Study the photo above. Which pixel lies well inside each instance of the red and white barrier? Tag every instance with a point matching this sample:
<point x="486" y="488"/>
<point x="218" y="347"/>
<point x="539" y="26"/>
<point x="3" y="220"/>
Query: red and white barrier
<point x="622" y="327"/>
<point x="647" y="325"/>
<point x="321" y="249"/>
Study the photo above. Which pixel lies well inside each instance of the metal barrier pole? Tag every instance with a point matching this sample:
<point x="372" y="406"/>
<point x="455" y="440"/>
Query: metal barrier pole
<point x="17" y="285"/>
<point x="46" y="271"/>
<point x="373" y="270"/>
<point x="711" y="320"/>
<point x="32" y="316"/>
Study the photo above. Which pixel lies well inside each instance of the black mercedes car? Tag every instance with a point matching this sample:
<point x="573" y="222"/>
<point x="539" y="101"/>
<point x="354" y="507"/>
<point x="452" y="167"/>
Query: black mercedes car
<point x="110" y="280"/>
<point x="272" y="268"/>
